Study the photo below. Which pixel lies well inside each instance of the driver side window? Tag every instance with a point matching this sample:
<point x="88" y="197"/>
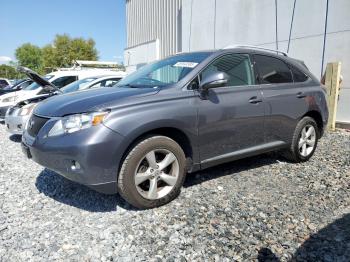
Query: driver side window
<point x="236" y="66"/>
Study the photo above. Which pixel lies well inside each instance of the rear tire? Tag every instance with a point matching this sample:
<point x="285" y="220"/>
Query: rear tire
<point x="304" y="141"/>
<point x="152" y="173"/>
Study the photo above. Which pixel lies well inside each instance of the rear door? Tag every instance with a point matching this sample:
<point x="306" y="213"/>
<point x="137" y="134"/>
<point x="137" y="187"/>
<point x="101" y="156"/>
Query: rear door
<point x="284" y="100"/>
<point x="231" y="118"/>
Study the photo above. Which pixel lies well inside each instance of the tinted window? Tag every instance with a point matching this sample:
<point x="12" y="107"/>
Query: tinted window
<point x="236" y="66"/>
<point x="63" y="81"/>
<point x="272" y="70"/>
<point x="298" y="76"/>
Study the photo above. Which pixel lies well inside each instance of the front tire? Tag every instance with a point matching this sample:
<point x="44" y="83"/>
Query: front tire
<point x="304" y="142"/>
<point x="152" y="173"/>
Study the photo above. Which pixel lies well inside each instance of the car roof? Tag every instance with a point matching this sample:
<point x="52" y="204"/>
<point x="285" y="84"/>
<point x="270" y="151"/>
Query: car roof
<point x="258" y="50"/>
<point x="105" y="77"/>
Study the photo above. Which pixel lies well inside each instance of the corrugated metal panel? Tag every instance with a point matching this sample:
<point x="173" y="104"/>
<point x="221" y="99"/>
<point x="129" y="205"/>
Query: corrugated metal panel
<point x="148" y="20"/>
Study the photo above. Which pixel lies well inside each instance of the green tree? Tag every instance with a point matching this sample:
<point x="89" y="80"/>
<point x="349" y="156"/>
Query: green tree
<point x="9" y="72"/>
<point x="49" y="58"/>
<point x="29" y="55"/>
<point x="64" y="50"/>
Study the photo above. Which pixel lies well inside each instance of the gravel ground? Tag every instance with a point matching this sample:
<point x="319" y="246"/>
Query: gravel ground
<point x="259" y="208"/>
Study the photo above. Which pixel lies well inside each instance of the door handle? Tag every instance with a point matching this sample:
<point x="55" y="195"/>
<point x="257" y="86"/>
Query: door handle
<point x="301" y="95"/>
<point x="255" y="100"/>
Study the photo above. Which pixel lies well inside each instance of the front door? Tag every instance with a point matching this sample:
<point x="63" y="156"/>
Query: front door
<point x="231" y="117"/>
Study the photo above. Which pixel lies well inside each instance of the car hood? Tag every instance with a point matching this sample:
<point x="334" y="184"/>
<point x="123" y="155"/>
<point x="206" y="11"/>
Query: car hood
<point x="91" y="100"/>
<point x="35" y="77"/>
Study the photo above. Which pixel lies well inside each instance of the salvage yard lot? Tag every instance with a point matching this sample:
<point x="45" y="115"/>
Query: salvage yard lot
<point x="254" y="208"/>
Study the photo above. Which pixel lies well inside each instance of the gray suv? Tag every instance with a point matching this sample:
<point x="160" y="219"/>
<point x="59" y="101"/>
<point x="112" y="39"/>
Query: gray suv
<point x="181" y="114"/>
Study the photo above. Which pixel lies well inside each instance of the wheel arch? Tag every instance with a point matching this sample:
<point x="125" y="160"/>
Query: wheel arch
<point x="318" y="119"/>
<point x="174" y="133"/>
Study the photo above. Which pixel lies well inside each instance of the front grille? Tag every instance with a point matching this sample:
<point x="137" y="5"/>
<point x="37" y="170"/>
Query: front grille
<point x="35" y="123"/>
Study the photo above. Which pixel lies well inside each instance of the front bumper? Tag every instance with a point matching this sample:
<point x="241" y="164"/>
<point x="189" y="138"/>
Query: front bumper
<point x="15" y="124"/>
<point x="90" y="157"/>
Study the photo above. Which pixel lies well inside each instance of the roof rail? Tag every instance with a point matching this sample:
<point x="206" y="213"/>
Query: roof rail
<point x="256" y="47"/>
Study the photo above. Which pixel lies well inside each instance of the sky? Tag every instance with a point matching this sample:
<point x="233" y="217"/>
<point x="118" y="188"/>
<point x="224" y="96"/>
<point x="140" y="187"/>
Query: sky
<point x="38" y="21"/>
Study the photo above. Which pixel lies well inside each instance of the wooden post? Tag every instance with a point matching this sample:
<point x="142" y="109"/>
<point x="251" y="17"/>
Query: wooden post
<point x="332" y="85"/>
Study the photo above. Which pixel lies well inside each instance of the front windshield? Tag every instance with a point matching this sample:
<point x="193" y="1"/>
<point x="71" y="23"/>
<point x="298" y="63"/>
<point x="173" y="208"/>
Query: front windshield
<point x="34" y="85"/>
<point x="164" y="72"/>
<point x="77" y="85"/>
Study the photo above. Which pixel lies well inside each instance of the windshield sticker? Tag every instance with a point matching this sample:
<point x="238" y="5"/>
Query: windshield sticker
<point x="186" y="64"/>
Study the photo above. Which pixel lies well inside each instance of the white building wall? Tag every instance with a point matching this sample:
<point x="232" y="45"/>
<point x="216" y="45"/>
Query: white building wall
<point x="147" y="22"/>
<point x="190" y="25"/>
<point x="210" y="24"/>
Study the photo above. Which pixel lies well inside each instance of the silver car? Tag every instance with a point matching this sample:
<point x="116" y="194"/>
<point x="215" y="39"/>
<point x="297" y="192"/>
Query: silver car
<point x="17" y="116"/>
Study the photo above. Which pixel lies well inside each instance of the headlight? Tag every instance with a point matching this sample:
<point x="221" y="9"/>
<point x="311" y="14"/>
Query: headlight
<point x="27" y="109"/>
<point x="10" y="99"/>
<point x="73" y="123"/>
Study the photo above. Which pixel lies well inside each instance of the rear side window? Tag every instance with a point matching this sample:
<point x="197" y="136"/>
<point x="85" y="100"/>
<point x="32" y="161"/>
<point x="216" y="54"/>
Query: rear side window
<point x="272" y="70"/>
<point x="63" y="81"/>
<point x="298" y="76"/>
<point x="236" y="66"/>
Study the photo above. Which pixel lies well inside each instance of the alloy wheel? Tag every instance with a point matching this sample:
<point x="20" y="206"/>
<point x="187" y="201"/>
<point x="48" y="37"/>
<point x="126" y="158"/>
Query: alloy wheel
<point x="307" y="140"/>
<point x="156" y="174"/>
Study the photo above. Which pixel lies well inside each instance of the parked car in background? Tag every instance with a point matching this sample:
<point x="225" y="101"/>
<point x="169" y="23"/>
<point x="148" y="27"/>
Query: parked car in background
<point x="4" y="82"/>
<point x="91" y="82"/>
<point x="18" y="115"/>
<point x="19" y="85"/>
<point x="59" y="79"/>
<point x="181" y="114"/>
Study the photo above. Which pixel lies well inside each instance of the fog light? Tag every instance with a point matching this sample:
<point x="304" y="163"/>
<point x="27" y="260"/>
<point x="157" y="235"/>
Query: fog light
<point x="75" y="165"/>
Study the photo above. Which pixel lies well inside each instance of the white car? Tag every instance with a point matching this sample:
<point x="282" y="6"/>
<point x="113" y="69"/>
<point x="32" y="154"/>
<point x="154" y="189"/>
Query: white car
<point x="18" y="115"/>
<point x="58" y="78"/>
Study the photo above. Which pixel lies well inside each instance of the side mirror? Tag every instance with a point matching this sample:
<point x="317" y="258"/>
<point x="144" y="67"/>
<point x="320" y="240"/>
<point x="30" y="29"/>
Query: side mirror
<point x="213" y="80"/>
